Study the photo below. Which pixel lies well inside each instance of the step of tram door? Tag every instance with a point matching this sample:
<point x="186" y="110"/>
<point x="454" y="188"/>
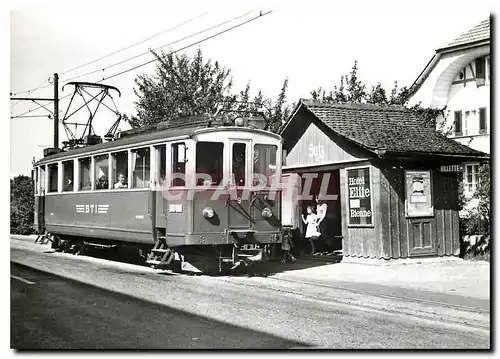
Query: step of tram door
<point x="160" y="255"/>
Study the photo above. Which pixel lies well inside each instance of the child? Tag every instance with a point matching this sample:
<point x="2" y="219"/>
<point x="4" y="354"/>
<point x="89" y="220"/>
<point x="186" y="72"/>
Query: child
<point x="312" y="233"/>
<point x="286" y="246"/>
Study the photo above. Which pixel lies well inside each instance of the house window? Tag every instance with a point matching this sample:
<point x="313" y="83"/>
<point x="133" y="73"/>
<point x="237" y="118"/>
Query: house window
<point x="482" y="120"/>
<point x="466" y="122"/>
<point x="480" y="71"/>
<point x="458" y="123"/>
<point x="470" y="177"/>
<point x="488" y="69"/>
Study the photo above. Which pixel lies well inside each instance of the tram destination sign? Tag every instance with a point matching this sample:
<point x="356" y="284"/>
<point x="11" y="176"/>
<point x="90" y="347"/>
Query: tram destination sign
<point x="359" y="197"/>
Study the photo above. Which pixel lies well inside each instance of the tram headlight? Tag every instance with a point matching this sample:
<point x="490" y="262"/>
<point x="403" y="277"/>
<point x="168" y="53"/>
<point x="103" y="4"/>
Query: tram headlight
<point x="267" y="213"/>
<point x="208" y="212"/>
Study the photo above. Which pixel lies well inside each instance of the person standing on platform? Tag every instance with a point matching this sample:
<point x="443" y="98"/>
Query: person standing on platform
<point x="312" y="234"/>
<point x="321" y="209"/>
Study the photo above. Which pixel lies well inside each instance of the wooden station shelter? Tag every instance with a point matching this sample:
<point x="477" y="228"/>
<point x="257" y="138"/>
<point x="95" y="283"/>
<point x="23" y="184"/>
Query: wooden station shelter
<point x="391" y="180"/>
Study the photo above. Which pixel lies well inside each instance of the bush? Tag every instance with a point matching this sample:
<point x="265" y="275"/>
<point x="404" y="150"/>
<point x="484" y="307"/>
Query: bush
<point x="475" y="226"/>
<point x="22" y="203"/>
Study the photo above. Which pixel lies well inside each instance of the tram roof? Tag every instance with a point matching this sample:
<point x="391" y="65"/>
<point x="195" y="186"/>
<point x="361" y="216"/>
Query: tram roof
<point x="167" y="134"/>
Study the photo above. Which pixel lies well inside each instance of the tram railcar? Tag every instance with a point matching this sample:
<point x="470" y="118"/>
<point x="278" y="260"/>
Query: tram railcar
<point x="197" y="197"/>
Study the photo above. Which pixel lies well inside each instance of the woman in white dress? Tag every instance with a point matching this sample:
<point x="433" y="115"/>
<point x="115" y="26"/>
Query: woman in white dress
<point x="312" y="234"/>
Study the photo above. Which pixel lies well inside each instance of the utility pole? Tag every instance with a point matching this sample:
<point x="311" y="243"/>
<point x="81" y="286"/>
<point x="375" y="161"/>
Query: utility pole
<point x="55" y="113"/>
<point x="56" y="110"/>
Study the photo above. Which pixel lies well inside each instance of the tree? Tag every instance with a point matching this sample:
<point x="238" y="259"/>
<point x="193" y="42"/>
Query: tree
<point x="279" y="111"/>
<point x="22" y="204"/>
<point x="184" y="86"/>
<point x="180" y="87"/>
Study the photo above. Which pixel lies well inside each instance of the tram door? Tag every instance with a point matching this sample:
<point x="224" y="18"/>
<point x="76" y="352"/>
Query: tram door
<point x="39" y="179"/>
<point x="239" y="214"/>
<point x="160" y="175"/>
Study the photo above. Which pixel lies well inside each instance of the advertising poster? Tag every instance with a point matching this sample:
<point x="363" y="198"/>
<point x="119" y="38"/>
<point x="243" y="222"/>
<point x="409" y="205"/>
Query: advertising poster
<point x="418" y="194"/>
<point x="359" y="196"/>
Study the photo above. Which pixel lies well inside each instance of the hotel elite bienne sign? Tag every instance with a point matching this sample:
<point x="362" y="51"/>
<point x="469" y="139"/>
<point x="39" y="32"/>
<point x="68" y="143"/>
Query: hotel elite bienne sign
<point x="359" y="193"/>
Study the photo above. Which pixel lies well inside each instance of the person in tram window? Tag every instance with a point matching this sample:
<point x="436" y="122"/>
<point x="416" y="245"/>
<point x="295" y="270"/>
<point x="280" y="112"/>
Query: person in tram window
<point x="121" y="182"/>
<point x="68" y="184"/>
<point x="312" y="234"/>
<point x="102" y="183"/>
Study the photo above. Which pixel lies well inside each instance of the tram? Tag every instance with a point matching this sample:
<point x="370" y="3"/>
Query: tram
<point x="204" y="196"/>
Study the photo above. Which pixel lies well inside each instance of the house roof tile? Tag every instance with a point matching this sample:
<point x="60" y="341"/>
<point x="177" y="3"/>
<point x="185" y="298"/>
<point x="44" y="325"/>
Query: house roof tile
<point x="479" y="32"/>
<point x="390" y="128"/>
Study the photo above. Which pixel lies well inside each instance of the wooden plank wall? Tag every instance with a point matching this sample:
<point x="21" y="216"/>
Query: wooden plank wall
<point x="362" y="241"/>
<point x="395" y="226"/>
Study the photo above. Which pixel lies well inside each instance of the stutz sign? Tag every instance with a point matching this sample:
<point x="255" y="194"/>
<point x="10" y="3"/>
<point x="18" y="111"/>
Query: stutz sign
<point x="451" y="168"/>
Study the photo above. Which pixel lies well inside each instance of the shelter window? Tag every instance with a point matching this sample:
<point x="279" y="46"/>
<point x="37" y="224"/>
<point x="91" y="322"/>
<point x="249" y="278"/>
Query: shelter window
<point x="209" y="157"/>
<point x="482" y="120"/>
<point x="458" y="123"/>
<point x="161" y="164"/>
<point x="85" y="181"/>
<point x="264" y="161"/>
<point x="141" y="167"/>
<point x="101" y="167"/>
<point x="471" y="172"/>
<point x="42" y="179"/>
<point x="68" y="178"/>
<point x="119" y="169"/>
<point x="178" y="164"/>
<point x="53" y="171"/>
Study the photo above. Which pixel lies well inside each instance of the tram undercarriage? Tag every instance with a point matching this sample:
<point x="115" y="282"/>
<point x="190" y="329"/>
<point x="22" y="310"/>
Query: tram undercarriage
<point x="195" y="259"/>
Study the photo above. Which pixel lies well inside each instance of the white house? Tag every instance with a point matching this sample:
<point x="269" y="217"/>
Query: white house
<point x="457" y="81"/>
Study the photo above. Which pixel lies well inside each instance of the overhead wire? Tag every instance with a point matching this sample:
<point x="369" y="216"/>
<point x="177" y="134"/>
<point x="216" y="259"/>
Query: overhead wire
<point x="188" y="46"/>
<point x="38" y="87"/>
<point x="172" y="52"/>
<point x="160" y="47"/>
<point x="137" y="43"/>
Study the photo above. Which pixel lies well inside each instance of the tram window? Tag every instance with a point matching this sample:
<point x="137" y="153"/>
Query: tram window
<point x="264" y="161"/>
<point x="101" y="166"/>
<point x="161" y="164"/>
<point x="239" y="156"/>
<point x="209" y="162"/>
<point x="178" y="164"/>
<point x="140" y="167"/>
<point x="119" y="170"/>
<point x="68" y="177"/>
<point x="42" y="179"/>
<point x="84" y="168"/>
<point x="53" y="177"/>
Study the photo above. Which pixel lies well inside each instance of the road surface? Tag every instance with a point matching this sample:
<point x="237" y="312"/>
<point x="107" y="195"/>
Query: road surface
<point x="271" y="313"/>
<point x="50" y="312"/>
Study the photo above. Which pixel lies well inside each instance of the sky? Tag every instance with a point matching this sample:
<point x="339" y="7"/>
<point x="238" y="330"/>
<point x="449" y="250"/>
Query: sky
<point x="312" y="43"/>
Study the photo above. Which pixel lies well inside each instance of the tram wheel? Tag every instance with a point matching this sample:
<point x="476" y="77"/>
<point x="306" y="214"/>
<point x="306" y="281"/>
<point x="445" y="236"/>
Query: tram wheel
<point x="80" y="248"/>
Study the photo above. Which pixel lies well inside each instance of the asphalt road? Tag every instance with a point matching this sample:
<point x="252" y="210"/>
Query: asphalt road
<point x="50" y="312"/>
<point x="290" y="314"/>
